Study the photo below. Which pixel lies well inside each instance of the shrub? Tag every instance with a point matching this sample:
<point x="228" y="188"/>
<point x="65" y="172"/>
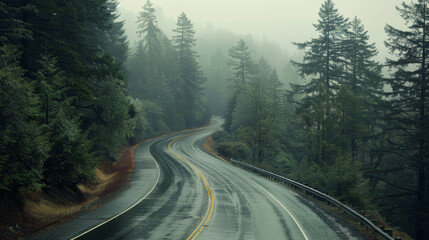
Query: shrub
<point x="236" y="150"/>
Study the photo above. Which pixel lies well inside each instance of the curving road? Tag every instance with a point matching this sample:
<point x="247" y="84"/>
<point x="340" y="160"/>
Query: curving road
<point x="197" y="195"/>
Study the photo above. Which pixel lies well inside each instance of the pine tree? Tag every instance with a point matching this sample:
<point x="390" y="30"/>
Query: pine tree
<point x="241" y="63"/>
<point x="363" y="78"/>
<point x="12" y="27"/>
<point x="408" y="115"/>
<point x="71" y="157"/>
<point x="323" y="66"/>
<point x="254" y="118"/>
<point x="23" y="147"/>
<point x="363" y="73"/>
<point x="150" y="32"/>
<point x="273" y="88"/>
<point x="137" y="74"/>
<point x="242" y="67"/>
<point x="114" y="39"/>
<point x="187" y="84"/>
<point x="323" y="55"/>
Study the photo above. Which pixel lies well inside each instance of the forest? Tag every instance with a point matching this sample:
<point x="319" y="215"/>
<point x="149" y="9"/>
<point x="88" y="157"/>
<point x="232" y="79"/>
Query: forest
<point x="73" y="95"/>
<point x="345" y="127"/>
<point x="75" y="90"/>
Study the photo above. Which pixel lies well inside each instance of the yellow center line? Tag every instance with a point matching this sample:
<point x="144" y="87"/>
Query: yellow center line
<point x="209" y="211"/>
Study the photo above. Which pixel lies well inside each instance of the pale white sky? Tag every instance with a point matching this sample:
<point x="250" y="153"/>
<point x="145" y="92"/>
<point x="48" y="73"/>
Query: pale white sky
<point x="283" y="21"/>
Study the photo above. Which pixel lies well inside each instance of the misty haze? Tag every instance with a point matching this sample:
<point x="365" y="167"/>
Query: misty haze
<point x="186" y="119"/>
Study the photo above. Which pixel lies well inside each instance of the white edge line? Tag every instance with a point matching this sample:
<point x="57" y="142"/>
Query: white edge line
<point x="126" y="210"/>
<point x="258" y="185"/>
<point x="288" y="212"/>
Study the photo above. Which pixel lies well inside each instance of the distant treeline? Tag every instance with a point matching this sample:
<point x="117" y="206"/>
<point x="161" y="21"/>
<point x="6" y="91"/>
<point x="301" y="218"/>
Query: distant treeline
<point x="345" y="129"/>
<point x="70" y="96"/>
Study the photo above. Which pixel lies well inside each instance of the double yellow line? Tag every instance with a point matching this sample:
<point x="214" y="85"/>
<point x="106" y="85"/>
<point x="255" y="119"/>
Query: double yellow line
<point x="209" y="211"/>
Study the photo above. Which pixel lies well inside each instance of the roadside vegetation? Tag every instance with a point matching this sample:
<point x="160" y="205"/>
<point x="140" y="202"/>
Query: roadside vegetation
<point x="344" y="128"/>
<point x="73" y="94"/>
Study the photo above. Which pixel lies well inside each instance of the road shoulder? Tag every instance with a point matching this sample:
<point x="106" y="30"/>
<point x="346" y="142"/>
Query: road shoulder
<point x="143" y="180"/>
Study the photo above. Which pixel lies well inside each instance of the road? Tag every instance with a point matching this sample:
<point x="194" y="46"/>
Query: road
<point x="199" y="196"/>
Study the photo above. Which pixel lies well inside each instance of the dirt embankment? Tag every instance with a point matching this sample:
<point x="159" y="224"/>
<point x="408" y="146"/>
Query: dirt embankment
<point x="210" y="146"/>
<point x="44" y="209"/>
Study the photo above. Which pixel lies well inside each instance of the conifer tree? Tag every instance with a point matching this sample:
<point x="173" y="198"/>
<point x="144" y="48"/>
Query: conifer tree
<point x="23" y="146"/>
<point x="273" y="88"/>
<point x="137" y="74"/>
<point x="323" y="55"/>
<point x="114" y="39"/>
<point x="255" y="120"/>
<point x="241" y="63"/>
<point x="187" y="84"/>
<point x="362" y="73"/>
<point x="408" y="116"/>
<point x="363" y="78"/>
<point x="12" y="27"/>
<point x="150" y="32"/>
<point x="242" y="67"/>
<point x="323" y="66"/>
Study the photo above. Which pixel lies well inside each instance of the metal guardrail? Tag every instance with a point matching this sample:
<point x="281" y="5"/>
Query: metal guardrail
<point x="322" y="196"/>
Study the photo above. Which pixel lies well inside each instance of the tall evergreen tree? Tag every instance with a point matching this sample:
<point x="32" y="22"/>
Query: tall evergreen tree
<point x="362" y="73"/>
<point x="409" y="100"/>
<point x="273" y="88"/>
<point x="323" y="65"/>
<point x="241" y="63"/>
<point x="323" y="55"/>
<point x="242" y="67"/>
<point x="70" y="158"/>
<point x="254" y="119"/>
<point x="114" y="39"/>
<point x="23" y="146"/>
<point x="150" y="32"/>
<point x="137" y="74"/>
<point x="363" y="78"/>
<point x="187" y="84"/>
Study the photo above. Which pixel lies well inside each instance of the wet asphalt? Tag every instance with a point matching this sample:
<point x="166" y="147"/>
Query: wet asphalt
<point x="246" y="205"/>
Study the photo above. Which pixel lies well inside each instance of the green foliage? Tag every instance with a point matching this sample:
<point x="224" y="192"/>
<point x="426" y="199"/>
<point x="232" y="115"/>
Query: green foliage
<point x="252" y="114"/>
<point x="166" y="72"/>
<point x="71" y="108"/>
<point x="148" y="120"/>
<point x="221" y="136"/>
<point x="115" y="41"/>
<point x="236" y="150"/>
<point x="12" y="28"/>
<point x="23" y="146"/>
<point x="70" y="151"/>
<point x="186" y="85"/>
<point x="407" y="111"/>
<point x="344" y="178"/>
<point x="111" y="108"/>
<point x="241" y="63"/>
<point x="228" y="147"/>
<point x="150" y="32"/>
<point x="64" y="102"/>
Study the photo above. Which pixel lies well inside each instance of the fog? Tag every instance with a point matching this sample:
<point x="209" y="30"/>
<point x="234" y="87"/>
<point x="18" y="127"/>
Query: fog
<point x="282" y="21"/>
